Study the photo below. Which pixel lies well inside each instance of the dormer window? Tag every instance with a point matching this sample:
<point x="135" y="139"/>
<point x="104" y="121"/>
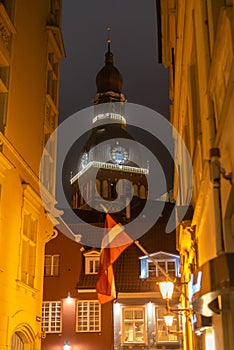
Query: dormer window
<point x="169" y="266"/>
<point x="170" y="263"/>
<point x="92" y="258"/>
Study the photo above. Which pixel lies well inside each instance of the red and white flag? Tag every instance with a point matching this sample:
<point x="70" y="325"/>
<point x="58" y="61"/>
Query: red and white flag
<point x="114" y="242"/>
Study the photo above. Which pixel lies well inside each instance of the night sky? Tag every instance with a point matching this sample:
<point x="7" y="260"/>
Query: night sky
<point x="133" y="26"/>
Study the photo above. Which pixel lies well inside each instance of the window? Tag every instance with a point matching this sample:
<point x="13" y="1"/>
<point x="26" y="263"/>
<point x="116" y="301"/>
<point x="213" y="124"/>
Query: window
<point x="162" y="331"/>
<point x="168" y="266"/>
<point x="92" y="265"/>
<point x="55" y="11"/>
<point x="16" y="342"/>
<point x="51" y="316"/>
<point x="7" y="30"/>
<point x="92" y="258"/>
<point x="88" y="316"/>
<point x="28" y="255"/>
<point x="133" y="325"/>
<point x="52" y="265"/>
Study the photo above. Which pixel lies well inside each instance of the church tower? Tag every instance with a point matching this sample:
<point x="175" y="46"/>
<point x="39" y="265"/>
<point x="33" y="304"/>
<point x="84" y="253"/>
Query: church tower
<point x="111" y="167"/>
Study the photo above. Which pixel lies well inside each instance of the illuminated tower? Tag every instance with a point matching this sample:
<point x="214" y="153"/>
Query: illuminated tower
<point x="110" y="155"/>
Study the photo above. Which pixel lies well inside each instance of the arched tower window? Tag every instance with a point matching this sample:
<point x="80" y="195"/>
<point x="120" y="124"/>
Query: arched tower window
<point x="135" y="188"/>
<point x="105" y="189"/>
<point x="142" y="192"/>
<point x="98" y="186"/>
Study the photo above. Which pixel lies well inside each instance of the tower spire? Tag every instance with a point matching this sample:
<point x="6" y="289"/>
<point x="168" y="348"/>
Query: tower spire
<point x="108" y="38"/>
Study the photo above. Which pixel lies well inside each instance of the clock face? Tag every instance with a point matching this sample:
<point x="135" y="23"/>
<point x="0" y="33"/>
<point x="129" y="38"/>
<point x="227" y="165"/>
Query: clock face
<point x="119" y="154"/>
<point x="84" y="160"/>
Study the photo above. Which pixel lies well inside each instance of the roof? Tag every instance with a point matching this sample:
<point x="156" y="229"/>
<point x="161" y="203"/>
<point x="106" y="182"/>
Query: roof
<point x="127" y="266"/>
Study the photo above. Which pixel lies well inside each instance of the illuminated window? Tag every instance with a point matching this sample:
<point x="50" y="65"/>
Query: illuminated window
<point x="133" y="325"/>
<point x="162" y="331"/>
<point x="92" y="262"/>
<point x="51" y="317"/>
<point x="88" y="316"/>
<point x="92" y="265"/>
<point x="52" y="265"/>
<point x="169" y="266"/>
<point x="28" y="254"/>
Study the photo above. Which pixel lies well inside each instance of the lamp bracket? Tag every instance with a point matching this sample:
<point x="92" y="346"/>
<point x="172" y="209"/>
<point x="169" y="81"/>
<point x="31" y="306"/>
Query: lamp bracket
<point x="226" y="176"/>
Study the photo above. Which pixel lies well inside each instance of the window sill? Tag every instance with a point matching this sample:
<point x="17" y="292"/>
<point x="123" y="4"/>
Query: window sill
<point x="26" y="287"/>
<point x="134" y="344"/>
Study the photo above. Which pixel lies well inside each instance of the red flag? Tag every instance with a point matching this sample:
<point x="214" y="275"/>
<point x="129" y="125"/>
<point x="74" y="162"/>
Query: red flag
<point x="114" y="242"/>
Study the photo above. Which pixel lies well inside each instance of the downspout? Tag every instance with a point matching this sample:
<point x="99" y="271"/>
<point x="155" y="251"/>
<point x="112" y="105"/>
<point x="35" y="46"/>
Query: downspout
<point x="215" y="171"/>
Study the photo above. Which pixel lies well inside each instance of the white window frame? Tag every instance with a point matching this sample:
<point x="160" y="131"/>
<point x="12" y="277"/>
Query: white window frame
<point x="91" y="322"/>
<point x="133" y="320"/>
<point x="92" y="259"/>
<point x="158" y="273"/>
<point x="29" y="248"/>
<point x="52" y="321"/>
<point x="160" y="326"/>
<point x="53" y="266"/>
<point x="91" y="265"/>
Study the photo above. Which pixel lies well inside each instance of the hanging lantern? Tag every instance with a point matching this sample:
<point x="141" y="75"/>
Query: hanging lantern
<point x="168" y="318"/>
<point x="166" y="289"/>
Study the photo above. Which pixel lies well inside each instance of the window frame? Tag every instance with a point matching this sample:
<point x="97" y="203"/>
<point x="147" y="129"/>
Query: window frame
<point x="52" y="265"/>
<point x="57" y="317"/>
<point x="29" y="248"/>
<point x="92" y="259"/>
<point x="157" y="271"/>
<point x="125" y="321"/>
<point x="85" y="326"/>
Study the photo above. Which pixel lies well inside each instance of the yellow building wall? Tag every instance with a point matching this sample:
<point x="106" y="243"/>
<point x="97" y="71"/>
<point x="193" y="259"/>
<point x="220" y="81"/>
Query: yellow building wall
<point x="24" y="225"/>
<point x="198" y="49"/>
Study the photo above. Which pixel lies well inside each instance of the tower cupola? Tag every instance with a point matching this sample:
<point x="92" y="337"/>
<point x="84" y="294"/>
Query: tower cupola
<point x="109" y="81"/>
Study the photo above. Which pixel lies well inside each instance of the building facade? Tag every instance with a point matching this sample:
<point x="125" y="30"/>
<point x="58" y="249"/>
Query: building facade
<point x="30" y="50"/>
<point x="197" y="47"/>
<point x="135" y="319"/>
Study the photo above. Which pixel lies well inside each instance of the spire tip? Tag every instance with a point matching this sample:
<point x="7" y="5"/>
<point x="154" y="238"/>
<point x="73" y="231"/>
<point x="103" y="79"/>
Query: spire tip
<point x="108" y="38"/>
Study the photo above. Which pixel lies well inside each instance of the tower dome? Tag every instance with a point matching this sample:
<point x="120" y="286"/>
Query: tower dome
<point x="109" y="78"/>
<point x="109" y="81"/>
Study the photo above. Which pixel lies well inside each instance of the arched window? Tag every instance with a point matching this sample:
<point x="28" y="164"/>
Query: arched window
<point x="17" y="342"/>
<point x="135" y="187"/>
<point x="98" y="186"/>
<point x="142" y="192"/>
<point x="105" y="189"/>
<point x="76" y="200"/>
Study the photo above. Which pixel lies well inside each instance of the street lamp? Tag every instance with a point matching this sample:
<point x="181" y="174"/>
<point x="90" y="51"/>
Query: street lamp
<point x="66" y="345"/>
<point x="166" y="289"/>
<point x="168" y="318"/>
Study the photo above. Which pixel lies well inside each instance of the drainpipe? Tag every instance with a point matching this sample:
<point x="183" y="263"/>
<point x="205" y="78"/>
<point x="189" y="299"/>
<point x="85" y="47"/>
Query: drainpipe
<point x="215" y="172"/>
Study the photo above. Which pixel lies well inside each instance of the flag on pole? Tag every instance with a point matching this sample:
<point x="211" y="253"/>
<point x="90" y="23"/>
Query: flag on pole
<point x="114" y="242"/>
